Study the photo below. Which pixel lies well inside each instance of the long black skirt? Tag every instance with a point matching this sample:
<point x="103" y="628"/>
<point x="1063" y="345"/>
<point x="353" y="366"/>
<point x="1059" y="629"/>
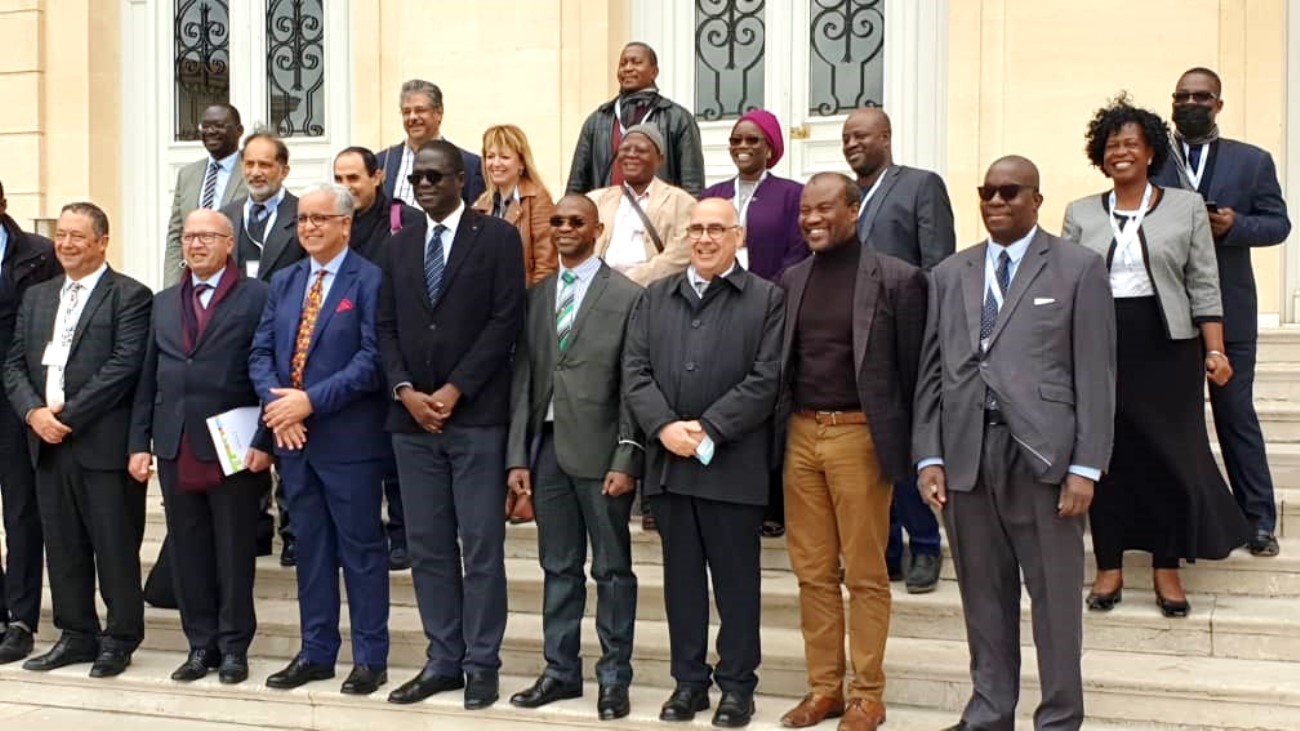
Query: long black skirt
<point x="1163" y="493"/>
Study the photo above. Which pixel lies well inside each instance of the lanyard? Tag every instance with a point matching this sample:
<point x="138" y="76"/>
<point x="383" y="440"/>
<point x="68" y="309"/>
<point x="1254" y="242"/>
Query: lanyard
<point x="270" y="221"/>
<point x="1194" y="175"/>
<point x="991" y="273"/>
<point x="742" y="207"/>
<point x="618" y="116"/>
<point x="862" y="210"/>
<point x="1127" y="242"/>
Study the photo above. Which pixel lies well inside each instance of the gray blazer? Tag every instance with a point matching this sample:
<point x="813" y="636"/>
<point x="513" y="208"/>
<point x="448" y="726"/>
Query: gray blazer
<point x="1178" y="250"/>
<point x="594" y="431"/>
<point x="282" y="248"/>
<point x="1050" y="363"/>
<point x="189" y="185"/>
<point x="909" y="218"/>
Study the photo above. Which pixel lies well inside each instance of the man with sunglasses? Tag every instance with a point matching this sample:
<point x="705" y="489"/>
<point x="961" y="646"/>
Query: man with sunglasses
<point x="575" y="449"/>
<point x="1239" y="184"/>
<point x="1014" y="419"/>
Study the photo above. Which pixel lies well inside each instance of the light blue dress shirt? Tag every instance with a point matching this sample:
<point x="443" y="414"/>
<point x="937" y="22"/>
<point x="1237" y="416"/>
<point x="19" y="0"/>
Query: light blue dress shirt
<point x="214" y="281"/>
<point x="225" y="168"/>
<point x="331" y="268"/>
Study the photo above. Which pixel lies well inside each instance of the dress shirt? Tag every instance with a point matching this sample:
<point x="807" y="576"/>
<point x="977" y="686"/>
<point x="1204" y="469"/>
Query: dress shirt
<point x="4" y="246"/>
<point x="225" y="167"/>
<point x="704" y="452"/>
<point x="331" y="268"/>
<point x="627" y="241"/>
<point x="583" y="274"/>
<point x="213" y="282"/>
<point x="272" y="209"/>
<point x="1128" y="270"/>
<point x="452" y="222"/>
<point x="65" y="324"/>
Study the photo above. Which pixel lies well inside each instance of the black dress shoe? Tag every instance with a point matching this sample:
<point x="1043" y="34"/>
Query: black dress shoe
<point x="65" y="652"/>
<point x="545" y="690"/>
<point x="923" y="574"/>
<point x="234" y="668"/>
<point x="364" y="680"/>
<point x="110" y="663"/>
<point x="895" y="574"/>
<point x="1173" y="609"/>
<point x="398" y="559"/>
<point x="424" y="685"/>
<point x="289" y="554"/>
<point x="684" y="703"/>
<point x="299" y="673"/>
<point x="734" y="710"/>
<point x="1264" y="545"/>
<point x="613" y="702"/>
<point x="1104" y="602"/>
<point x="264" y="547"/>
<point x="16" y="645"/>
<point x="196" y="666"/>
<point x="482" y="688"/>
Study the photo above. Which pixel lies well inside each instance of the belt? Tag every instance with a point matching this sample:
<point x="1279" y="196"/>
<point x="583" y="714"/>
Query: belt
<point x="834" y="418"/>
<point x="993" y="417"/>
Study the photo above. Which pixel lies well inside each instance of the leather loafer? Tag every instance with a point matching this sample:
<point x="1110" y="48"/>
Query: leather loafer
<point x="299" y="673"/>
<point x="196" y="666"/>
<point x="613" y="702"/>
<point x="482" y="688"/>
<point x="289" y="554"/>
<point x="1264" y="545"/>
<point x="17" y="644"/>
<point x="812" y="710"/>
<point x="684" y="703"/>
<point x="364" y="680"/>
<point x="861" y="714"/>
<point x="923" y="574"/>
<point x="234" y="668"/>
<point x="65" y="652"/>
<point x="398" y="559"/>
<point x="424" y="685"/>
<point x="110" y="663"/>
<point x="734" y="710"/>
<point x="545" y="690"/>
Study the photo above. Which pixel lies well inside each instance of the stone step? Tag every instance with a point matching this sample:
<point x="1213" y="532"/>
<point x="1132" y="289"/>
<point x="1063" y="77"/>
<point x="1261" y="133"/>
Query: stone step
<point x="1277" y="380"/>
<point x="1279" y="344"/>
<point x="1279" y="420"/>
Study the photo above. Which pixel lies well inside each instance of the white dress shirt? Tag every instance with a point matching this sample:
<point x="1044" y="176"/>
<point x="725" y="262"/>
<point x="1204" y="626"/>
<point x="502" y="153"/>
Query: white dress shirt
<point x="65" y="326"/>
<point x="627" y="239"/>
<point x="1128" y="269"/>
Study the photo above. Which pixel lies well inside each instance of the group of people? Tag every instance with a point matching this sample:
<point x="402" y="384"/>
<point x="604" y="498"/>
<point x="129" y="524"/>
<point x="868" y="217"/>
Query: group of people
<point x="756" y="358"/>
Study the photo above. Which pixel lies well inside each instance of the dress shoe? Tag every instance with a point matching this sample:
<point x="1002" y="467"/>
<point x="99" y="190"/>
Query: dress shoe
<point x="398" y="559"/>
<point x="861" y="714"/>
<point x="923" y="574"/>
<point x="1104" y="602"/>
<point x="16" y="645"/>
<point x="1172" y="609"/>
<point x="895" y="574"/>
<point x="196" y="666"/>
<point x="110" y="663"/>
<point x="364" y="680"/>
<point x="812" y="710"/>
<point x="648" y="522"/>
<point x="299" y="673"/>
<point x="482" y="688"/>
<point x="734" y="710"/>
<point x="545" y="690"/>
<point x="264" y="547"/>
<point x="684" y="703"/>
<point x="234" y="668"/>
<point x="65" y="652"/>
<point x="772" y="529"/>
<point x="613" y="702"/>
<point x="289" y="554"/>
<point x="424" y="685"/>
<point x="1264" y="545"/>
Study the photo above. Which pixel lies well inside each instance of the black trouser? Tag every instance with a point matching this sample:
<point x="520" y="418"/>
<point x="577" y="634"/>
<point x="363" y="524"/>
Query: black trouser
<point x="396" y="523"/>
<point x="1242" y="441"/>
<point x="94" y="523"/>
<point x="20" y="581"/>
<point x="265" y="521"/>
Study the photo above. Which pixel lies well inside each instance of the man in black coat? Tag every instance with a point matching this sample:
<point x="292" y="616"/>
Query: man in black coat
<point x="196" y="367"/>
<point x="702" y="370"/>
<point x="25" y="259"/>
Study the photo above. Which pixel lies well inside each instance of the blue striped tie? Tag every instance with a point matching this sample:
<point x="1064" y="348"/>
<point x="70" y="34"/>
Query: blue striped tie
<point x="434" y="264"/>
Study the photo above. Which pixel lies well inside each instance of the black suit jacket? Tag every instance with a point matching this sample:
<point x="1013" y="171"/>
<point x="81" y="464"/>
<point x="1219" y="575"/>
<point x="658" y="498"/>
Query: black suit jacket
<point x="889" y="305"/>
<point x="102" y="370"/>
<point x="909" y="218"/>
<point x="178" y="391"/>
<point x="467" y="336"/>
<point x="281" y="248"/>
<point x="29" y="259"/>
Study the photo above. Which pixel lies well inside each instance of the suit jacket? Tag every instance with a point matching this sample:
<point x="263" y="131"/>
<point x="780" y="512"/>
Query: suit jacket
<point x="532" y="216"/>
<point x="889" y="301"/>
<point x="468" y="335"/>
<point x="178" y="391"/>
<point x="594" y="431"/>
<point x="28" y="260"/>
<point x="716" y="360"/>
<point x="1050" y="363"/>
<point x="1241" y="177"/>
<point x="669" y="210"/>
<point x="281" y="247"/>
<point x="103" y="366"/>
<point x="390" y="160"/>
<point x="910" y="218"/>
<point x="343" y="376"/>
<point x="189" y="186"/>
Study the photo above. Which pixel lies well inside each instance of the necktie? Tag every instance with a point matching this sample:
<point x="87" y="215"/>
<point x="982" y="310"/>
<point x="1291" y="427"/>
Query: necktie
<point x="565" y="310"/>
<point x="201" y="289"/>
<point x="210" y="186"/>
<point x="990" y="315"/>
<point x="434" y="264"/>
<point x="257" y="227"/>
<point x="700" y="286"/>
<point x="1194" y="155"/>
<point x="306" y="324"/>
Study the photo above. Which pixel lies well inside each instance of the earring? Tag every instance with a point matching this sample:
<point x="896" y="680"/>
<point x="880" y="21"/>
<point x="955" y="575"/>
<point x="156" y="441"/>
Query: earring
<point x="1150" y="160"/>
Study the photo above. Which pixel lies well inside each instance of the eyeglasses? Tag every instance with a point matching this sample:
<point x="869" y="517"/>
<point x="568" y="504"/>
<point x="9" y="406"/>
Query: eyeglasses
<point x="715" y="231"/>
<point x="206" y="127"/>
<point x="751" y="140"/>
<point x="573" y="221"/>
<point x="433" y="176"/>
<point x="318" y="219"/>
<point x="1200" y="97"/>
<point x="1006" y="191"/>
<point x="207" y="238"/>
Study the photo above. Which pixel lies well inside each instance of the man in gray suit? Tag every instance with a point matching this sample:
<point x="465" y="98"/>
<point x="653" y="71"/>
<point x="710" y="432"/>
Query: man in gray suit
<point x="212" y="182"/>
<point x="1014" y="419"/>
<point x="569" y="429"/>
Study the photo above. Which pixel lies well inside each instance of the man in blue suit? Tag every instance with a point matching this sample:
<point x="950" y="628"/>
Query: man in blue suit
<point x="315" y="365"/>
<point x="1239" y="184"/>
<point x="422" y="120"/>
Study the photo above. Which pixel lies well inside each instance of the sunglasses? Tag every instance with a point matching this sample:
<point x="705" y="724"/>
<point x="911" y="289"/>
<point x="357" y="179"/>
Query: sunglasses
<point x="751" y="140"/>
<point x="1200" y="97"/>
<point x="433" y="176"/>
<point x="1006" y="191"/>
<point x="573" y="221"/>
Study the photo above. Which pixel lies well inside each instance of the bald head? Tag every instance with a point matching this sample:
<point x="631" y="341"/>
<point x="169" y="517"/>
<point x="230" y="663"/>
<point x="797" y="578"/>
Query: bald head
<point x="715" y="236"/>
<point x="206" y="242"/>
<point x="866" y="143"/>
<point x="874" y="116"/>
<point x="1009" y="199"/>
<point x="1022" y="168"/>
<point x="586" y="205"/>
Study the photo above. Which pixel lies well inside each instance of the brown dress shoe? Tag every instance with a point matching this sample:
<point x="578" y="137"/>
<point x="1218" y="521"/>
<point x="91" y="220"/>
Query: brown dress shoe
<point x="812" y="710"/>
<point x="862" y="715"/>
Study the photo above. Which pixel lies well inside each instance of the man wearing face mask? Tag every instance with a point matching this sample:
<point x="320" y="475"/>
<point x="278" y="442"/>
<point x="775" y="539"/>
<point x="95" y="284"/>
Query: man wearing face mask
<point x="1239" y="184"/>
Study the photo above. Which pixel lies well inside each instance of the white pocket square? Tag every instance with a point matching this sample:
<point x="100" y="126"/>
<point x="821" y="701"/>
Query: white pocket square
<point x="1043" y="301"/>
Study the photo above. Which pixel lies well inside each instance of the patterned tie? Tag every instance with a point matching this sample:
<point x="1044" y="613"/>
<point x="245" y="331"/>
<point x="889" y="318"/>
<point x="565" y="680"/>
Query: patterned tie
<point x="210" y="186"/>
<point x="990" y="316"/>
<point x="700" y="286"/>
<point x="565" y="310"/>
<point x="434" y="264"/>
<point x="305" y="326"/>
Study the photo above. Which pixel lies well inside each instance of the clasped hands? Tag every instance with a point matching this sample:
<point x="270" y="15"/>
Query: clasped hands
<point x="285" y="416"/>
<point x="45" y="422"/>
<point x="682" y="438"/>
<point x="430" y="410"/>
<point x="1075" y="499"/>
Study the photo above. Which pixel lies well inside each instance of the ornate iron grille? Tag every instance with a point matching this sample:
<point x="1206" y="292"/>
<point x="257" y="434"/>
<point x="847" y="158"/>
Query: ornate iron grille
<point x="846" y="64"/>
<point x="729" y="50"/>
<point x="295" y="67"/>
<point x="201" y="62"/>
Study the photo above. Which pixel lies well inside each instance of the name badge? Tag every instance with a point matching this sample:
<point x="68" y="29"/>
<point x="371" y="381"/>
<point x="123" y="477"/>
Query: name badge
<point x="55" y="355"/>
<point x="250" y="269"/>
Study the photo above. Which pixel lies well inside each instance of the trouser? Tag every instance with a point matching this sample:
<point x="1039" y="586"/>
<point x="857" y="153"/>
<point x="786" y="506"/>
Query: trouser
<point x="266" y="520"/>
<point x="21" y="579"/>
<point x="1242" y="441"/>
<point x="907" y="511"/>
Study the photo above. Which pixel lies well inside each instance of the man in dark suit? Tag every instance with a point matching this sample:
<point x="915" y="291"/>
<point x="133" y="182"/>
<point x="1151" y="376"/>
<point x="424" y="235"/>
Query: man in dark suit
<point x="422" y="120"/>
<point x="71" y="374"/>
<point x="315" y="365"/>
<point x="213" y="182"/>
<point x="451" y="312"/>
<point x="25" y="260"/>
<point x="853" y="325"/>
<point x="904" y="213"/>
<point x="1015" y="409"/>
<point x="196" y="367"/>
<point x="567" y="402"/>
<point x="701" y="372"/>
<point x="1239" y="184"/>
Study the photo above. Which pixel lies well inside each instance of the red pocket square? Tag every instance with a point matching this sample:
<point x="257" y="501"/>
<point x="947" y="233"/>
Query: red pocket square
<point x="344" y="305"/>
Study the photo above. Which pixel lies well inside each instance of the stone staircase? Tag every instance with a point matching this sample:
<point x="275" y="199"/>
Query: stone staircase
<point x="1233" y="664"/>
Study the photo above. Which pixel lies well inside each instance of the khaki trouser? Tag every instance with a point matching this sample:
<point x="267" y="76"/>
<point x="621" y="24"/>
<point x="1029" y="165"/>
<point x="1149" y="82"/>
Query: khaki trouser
<point x="837" y="509"/>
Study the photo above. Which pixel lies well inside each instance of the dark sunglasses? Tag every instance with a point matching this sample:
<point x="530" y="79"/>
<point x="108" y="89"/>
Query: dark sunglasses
<point x="751" y="140"/>
<point x="1006" y="191"/>
<point x="1200" y="97"/>
<point x="573" y="221"/>
<point x="433" y="176"/>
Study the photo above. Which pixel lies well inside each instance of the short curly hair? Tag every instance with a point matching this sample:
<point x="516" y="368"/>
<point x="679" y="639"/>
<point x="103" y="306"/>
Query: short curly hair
<point x="1111" y="118"/>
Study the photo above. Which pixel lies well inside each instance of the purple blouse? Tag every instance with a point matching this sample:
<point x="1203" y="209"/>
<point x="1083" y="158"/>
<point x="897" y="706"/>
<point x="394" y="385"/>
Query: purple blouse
<point x="772" y="232"/>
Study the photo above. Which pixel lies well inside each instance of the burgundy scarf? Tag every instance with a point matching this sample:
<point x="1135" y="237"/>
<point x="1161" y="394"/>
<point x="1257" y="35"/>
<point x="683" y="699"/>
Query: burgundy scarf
<point x="193" y="474"/>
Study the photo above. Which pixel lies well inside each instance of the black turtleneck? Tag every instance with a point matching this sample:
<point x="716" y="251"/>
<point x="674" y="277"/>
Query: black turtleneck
<point x="825" y="376"/>
<point x="370" y="229"/>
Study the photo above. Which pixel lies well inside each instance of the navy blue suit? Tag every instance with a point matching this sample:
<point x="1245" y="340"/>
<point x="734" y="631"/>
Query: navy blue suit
<point x="333" y="483"/>
<point x="1241" y="177"/>
<point x="390" y="159"/>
